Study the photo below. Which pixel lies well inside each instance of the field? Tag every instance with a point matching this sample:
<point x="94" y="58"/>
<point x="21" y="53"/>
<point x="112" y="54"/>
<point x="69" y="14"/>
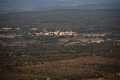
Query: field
<point x="71" y="69"/>
<point x="92" y="54"/>
<point x="66" y="62"/>
<point x="89" y="60"/>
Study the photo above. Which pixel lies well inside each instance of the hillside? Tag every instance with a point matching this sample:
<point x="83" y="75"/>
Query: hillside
<point x="69" y="44"/>
<point x="78" y="20"/>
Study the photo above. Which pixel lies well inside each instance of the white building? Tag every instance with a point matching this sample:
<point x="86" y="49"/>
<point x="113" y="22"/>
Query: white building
<point x="38" y="34"/>
<point x="34" y="29"/>
<point x="57" y="33"/>
<point x="6" y="29"/>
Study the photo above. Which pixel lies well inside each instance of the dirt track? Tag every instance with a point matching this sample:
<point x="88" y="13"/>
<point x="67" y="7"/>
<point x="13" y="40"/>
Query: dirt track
<point x="88" y="60"/>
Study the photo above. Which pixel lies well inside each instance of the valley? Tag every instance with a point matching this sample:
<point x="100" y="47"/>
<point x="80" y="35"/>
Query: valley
<point x="69" y="44"/>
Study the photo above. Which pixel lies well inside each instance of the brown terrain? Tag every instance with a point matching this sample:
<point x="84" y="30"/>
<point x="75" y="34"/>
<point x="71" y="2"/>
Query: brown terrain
<point x="88" y="60"/>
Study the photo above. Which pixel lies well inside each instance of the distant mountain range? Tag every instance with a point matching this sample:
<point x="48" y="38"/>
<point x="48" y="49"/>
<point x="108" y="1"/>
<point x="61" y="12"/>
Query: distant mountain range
<point x="53" y="7"/>
<point x="100" y="6"/>
<point x="86" y="6"/>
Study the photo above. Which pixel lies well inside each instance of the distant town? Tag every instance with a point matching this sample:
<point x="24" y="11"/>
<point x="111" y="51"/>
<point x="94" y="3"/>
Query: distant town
<point x="46" y="33"/>
<point x="57" y="33"/>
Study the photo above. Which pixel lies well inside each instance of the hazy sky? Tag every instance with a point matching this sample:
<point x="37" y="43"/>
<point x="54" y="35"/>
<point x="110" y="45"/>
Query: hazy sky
<point x="78" y="2"/>
<point x="29" y="4"/>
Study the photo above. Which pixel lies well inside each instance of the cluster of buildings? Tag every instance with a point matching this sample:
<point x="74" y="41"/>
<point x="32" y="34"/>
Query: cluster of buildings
<point x="8" y="29"/>
<point x="57" y="33"/>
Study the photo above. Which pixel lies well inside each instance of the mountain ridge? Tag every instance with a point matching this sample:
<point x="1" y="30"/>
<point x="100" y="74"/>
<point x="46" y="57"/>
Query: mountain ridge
<point x="54" y="7"/>
<point x="86" y="6"/>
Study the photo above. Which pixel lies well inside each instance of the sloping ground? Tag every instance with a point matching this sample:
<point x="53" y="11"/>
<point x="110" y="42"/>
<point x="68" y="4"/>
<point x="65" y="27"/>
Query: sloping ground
<point x="89" y="60"/>
<point x="74" y="69"/>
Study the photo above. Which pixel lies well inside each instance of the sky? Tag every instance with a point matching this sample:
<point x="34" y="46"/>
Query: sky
<point x="6" y="3"/>
<point x="30" y="4"/>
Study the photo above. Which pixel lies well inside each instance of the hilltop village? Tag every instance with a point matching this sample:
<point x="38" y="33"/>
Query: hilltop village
<point x="44" y="37"/>
<point x="45" y="32"/>
<point x="57" y="33"/>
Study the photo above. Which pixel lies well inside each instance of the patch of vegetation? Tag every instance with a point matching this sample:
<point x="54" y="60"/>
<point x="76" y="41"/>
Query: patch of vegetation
<point x="29" y="57"/>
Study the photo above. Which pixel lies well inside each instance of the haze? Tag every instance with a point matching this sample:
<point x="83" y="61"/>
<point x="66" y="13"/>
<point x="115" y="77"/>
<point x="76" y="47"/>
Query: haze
<point x="7" y="6"/>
